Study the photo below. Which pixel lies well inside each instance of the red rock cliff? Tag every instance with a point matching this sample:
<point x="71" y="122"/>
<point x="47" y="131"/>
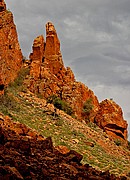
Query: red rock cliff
<point x="49" y="76"/>
<point x="110" y="118"/>
<point x="10" y="52"/>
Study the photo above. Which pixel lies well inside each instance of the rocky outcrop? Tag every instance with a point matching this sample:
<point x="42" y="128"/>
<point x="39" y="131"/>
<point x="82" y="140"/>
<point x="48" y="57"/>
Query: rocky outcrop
<point x="10" y="53"/>
<point x="24" y="154"/>
<point x="49" y="76"/>
<point x="110" y="118"/>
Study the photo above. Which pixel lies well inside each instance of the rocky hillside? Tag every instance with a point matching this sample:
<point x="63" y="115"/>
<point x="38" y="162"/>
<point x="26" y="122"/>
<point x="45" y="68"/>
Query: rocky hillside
<point x="45" y="113"/>
<point x="88" y="140"/>
<point x="24" y="154"/>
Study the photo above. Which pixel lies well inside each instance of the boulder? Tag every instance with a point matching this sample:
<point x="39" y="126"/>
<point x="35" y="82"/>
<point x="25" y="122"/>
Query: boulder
<point x="110" y="118"/>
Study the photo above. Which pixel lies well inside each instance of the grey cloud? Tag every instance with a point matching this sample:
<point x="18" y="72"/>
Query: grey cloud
<point x="103" y="69"/>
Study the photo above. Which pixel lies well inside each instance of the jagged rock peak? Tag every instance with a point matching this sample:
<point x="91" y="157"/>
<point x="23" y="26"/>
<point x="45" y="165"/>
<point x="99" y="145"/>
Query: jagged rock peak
<point x="38" y="41"/>
<point x="50" y="29"/>
<point x="37" y="57"/>
<point x="52" y="41"/>
<point x="2" y="6"/>
<point x="46" y="53"/>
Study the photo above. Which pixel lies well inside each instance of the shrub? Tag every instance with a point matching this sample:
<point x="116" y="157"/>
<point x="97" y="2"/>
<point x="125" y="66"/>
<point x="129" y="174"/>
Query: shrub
<point x="117" y="142"/>
<point x="60" y="104"/>
<point x="87" y="108"/>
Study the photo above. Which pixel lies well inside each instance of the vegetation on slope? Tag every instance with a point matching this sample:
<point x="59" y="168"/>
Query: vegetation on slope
<point x="88" y="139"/>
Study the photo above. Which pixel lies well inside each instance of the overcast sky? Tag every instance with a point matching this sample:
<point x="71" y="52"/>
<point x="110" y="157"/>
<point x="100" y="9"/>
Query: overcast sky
<point x="94" y="36"/>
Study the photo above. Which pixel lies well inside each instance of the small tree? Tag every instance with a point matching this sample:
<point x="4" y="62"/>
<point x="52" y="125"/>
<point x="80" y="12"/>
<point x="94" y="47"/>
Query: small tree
<point x="60" y="104"/>
<point x="117" y="142"/>
<point x="87" y="108"/>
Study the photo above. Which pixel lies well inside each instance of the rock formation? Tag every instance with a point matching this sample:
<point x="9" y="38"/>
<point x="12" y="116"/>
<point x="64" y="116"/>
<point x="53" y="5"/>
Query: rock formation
<point x="10" y="53"/>
<point x="110" y="118"/>
<point x="48" y="75"/>
<point x="24" y="154"/>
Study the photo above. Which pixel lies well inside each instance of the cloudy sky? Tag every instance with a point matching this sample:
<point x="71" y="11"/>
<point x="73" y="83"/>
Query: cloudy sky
<point x="94" y="36"/>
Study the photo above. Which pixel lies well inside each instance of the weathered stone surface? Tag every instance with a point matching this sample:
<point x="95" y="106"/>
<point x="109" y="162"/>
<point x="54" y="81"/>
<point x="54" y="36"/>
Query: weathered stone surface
<point x="62" y="149"/>
<point x="52" y="41"/>
<point x="48" y="75"/>
<point x="110" y="118"/>
<point x="10" y="52"/>
<point x="25" y="157"/>
<point x="36" y="57"/>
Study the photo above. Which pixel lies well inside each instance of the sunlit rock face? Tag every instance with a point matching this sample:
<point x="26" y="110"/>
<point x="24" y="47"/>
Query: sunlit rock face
<point x="10" y="52"/>
<point x="110" y="118"/>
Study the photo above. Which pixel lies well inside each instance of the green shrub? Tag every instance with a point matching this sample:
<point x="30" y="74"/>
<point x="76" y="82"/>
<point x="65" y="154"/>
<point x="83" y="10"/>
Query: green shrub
<point x="92" y="125"/>
<point x="117" y="142"/>
<point x="87" y="108"/>
<point x="60" y="104"/>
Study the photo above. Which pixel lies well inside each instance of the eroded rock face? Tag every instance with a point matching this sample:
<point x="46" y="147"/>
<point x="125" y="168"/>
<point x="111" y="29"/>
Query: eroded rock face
<point x="37" y="57"/>
<point x="49" y="75"/>
<point x="24" y="154"/>
<point x="110" y="118"/>
<point x="10" y="53"/>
